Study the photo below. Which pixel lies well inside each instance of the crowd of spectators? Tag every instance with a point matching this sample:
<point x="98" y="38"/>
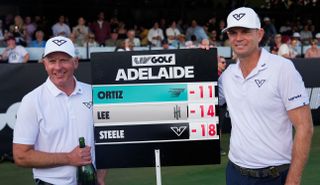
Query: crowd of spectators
<point x="289" y="4"/>
<point x="34" y="31"/>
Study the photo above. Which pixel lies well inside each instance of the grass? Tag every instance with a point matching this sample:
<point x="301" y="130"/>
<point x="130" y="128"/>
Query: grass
<point x="182" y="175"/>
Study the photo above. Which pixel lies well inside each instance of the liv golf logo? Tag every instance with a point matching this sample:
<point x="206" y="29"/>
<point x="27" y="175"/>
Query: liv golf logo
<point x="153" y="60"/>
<point x="9" y="117"/>
<point x="149" y="70"/>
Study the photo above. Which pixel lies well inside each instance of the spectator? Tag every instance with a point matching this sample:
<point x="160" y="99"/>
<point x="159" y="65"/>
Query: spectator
<point x="122" y="31"/>
<point x="318" y="37"/>
<point x="270" y="31"/>
<point x="305" y="35"/>
<point x="72" y="37"/>
<point x="180" y="42"/>
<point x="155" y="35"/>
<point x="143" y="35"/>
<point x="285" y="49"/>
<point x="30" y="28"/>
<point x="297" y="36"/>
<point x="163" y="26"/>
<point x="2" y="34"/>
<point x="172" y="32"/>
<point x="222" y="37"/>
<point x="275" y="44"/>
<point x="8" y="21"/>
<point x="213" y="38"/>
<point x="293" y="48"/>
<point x="314" y="50"/>
<point x="18" y="30"/>
<point x="125" y="45"/>
<point x="222" y="64"/>
<point x="181" y="26"/>
<point x="296" y="25"/>
<point x="114" y="24"/>
<point x="39" y="42"/>
<point x="113" y="41"/>
<point x="298" y="45"/>
<point x="193" y="43"/>
<point x="286" y="29"/>
<point x="80" y="32"/>
<point x="166" y="45"/>
<point x="311" y="26"/>
<point x="211" y="24"/>
<point x="42" y="24"/>
<point x="14" y="53"/>
<point x="101" y="29"/>
<point x="205" y="43"/>
<point x="61" y="28"/>
<point x="91" y="41"/>
<point x="131" y="37"/>
<point x="196" y="30"/>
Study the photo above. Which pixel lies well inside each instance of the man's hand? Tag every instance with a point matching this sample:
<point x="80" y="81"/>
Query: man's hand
<point x="80" y="156"/>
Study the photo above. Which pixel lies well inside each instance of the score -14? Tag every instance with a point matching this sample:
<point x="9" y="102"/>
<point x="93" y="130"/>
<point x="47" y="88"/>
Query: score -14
<point x="201" y="110"/>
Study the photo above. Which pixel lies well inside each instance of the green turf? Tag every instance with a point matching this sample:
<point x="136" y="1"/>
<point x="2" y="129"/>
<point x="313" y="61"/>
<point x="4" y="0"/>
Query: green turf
<point x="186" y="175"/>
<point x="311" y="175"/>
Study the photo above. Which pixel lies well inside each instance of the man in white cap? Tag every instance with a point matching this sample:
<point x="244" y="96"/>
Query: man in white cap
<point x="265" y="97"/>
<point x="52" y="117"/>
<point x="269" y="31"/>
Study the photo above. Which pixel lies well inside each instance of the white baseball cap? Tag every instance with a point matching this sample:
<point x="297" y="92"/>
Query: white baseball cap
<point x="296" y="34"/>
<point x="266" y="19"/>
<point x="318" y="35"/>
<point x="243" y="17"/>
<point x="59" y="44"/>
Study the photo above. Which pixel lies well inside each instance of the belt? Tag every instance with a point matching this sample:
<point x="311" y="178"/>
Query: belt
<point x="272" y="171"/>
<point x="41" y="182"/>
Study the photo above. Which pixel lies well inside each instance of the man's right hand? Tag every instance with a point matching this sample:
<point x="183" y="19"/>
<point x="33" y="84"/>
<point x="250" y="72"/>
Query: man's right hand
<point x="80" y="156"/>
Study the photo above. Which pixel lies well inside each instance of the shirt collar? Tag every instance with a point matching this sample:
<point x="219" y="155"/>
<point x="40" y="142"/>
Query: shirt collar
<point x="262" y="65"/>
<point x="56" y="91"/>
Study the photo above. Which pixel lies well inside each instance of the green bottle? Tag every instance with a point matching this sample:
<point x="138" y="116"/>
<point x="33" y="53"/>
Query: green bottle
<point x="86" y="175"/>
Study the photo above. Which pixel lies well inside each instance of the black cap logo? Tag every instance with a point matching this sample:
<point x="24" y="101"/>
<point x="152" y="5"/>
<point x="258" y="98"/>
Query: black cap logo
<point x="238" y="16"/>
<point x="259" y="82"/>
<point x="59" y="42"/>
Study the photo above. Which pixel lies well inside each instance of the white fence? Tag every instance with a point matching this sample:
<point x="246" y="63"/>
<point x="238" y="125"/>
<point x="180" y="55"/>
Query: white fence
<point x="84" y="52"/>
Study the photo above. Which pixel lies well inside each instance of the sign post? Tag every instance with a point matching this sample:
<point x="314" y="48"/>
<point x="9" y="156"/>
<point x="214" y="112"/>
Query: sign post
<point x="158" y="166"/>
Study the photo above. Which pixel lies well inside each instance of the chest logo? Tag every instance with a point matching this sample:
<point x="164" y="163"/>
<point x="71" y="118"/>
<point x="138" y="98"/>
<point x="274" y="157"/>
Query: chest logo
<point x="259" y="82"/>
<point x="88" y="104"/>
<point x="238" y="16"/>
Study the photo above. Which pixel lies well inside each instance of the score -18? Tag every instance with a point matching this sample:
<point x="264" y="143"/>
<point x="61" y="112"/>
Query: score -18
<point x="203" y="130"/>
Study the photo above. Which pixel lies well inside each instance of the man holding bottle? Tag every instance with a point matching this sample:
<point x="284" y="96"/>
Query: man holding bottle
<point x="53" y="117"/>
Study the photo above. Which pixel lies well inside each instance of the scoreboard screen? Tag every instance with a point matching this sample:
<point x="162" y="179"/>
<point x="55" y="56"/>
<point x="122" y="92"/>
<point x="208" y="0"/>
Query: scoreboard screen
<point x="148" y="100"/>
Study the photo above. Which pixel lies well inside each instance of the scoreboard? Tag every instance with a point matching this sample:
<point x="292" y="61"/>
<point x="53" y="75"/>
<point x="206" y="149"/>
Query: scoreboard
<point x="148" y="100"/>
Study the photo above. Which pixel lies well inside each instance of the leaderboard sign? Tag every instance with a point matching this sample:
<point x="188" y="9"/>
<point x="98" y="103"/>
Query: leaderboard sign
<point x="148" y="100"/>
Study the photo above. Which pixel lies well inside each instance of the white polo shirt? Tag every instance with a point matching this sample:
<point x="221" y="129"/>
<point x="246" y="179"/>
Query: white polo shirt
<point x="53" y="122"/>
<point x="261" y="132"/>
